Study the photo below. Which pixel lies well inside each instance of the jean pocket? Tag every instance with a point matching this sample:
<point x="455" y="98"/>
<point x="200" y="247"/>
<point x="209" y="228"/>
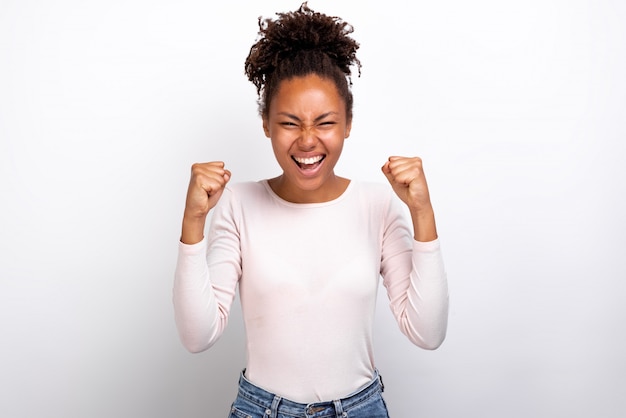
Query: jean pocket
<point x="236" y="413"/>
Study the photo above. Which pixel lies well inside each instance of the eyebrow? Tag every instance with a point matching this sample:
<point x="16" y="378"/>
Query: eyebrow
<point x="317" y="119"/>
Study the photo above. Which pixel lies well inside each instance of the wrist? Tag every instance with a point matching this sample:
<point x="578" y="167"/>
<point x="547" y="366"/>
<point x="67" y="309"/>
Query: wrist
<point x="424" y="226"/>
<point x="192" y="230"/>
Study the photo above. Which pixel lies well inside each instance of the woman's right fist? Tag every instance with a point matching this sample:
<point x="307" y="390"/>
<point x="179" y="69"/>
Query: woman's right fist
<point x="205" y="188"/>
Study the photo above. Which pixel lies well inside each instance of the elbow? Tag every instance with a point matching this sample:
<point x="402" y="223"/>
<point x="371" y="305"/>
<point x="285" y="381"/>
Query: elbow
<point x="428" y="335"/>
<point x="194" y="345"/>
<point x="194" y="340"/>
<point x="193" y="349"/>
<point x="195" y="334"/>
<point x="428" y="339"/>
<point x="431" y="344"/>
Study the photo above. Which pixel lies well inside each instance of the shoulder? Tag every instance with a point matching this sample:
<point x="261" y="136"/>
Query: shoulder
<point x="246" y="188"/>
<point x="239" y="198"/>
<point x="372" y="192"/>
<point x="371" y="187"/>
<point x="379" y="198"/>
<point x="254" y="194"/>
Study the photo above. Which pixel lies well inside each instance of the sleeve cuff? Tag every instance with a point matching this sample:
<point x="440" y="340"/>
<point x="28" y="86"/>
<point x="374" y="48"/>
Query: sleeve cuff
<point x="192" y="249"/>
<point x="428" y="246"/>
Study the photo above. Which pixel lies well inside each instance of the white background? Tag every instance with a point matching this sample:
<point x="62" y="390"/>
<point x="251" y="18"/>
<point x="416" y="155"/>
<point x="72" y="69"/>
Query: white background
<point x="517" y="108"/>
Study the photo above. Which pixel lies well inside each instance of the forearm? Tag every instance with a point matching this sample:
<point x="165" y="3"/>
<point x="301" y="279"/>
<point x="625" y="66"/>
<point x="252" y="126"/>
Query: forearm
<point x="427" y="310"/>
<point x="424" y="227"/>
<point x="196" y="307"/>
<point x="415" y="277"/>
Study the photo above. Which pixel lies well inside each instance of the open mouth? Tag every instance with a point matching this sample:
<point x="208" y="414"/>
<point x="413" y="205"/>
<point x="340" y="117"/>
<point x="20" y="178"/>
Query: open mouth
<point x="309" y="163"/>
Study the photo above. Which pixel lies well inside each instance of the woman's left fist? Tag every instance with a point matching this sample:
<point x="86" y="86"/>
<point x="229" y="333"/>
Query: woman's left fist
<point x="407" y="179"/>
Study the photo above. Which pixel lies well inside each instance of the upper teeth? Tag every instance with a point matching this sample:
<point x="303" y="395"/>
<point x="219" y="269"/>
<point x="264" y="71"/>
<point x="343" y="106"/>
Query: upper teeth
<point x="311" y="160"/>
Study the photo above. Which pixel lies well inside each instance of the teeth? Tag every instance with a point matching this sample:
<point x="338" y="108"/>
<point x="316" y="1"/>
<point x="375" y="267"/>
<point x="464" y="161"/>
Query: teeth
<point x="311" y="160"/>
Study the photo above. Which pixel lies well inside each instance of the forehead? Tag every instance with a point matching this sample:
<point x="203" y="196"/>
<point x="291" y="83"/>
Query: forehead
<point x="307" y="93"/>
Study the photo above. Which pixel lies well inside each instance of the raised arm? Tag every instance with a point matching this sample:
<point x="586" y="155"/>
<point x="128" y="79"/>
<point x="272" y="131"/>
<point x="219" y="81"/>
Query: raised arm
<point x="201" y="303"/>
<point x="413" y="270"/>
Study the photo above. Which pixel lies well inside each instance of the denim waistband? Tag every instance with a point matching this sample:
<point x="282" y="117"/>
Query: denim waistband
<point x="275" y="404"/>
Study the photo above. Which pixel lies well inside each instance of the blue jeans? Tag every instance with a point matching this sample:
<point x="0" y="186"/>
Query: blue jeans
<point x="254" y="402"/>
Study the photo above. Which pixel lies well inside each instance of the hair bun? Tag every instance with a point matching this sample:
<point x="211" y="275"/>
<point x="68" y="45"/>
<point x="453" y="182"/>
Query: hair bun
<point x="292" y="33"/>
<point x="299" y="43"/>
<point x="309" y="30"/>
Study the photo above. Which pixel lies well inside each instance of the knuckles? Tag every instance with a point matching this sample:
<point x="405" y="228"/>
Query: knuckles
<point x="214" y="169"/>
<point x="405" y="170"/>
<point x="212" y="166"/>
<point x="208" y="176"/>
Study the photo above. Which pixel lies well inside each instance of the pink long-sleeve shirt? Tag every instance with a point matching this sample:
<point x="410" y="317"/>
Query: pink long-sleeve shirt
<point x="308" y="276"/>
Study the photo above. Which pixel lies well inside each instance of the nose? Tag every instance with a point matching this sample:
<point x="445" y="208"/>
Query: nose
<point x="308" y="138"/>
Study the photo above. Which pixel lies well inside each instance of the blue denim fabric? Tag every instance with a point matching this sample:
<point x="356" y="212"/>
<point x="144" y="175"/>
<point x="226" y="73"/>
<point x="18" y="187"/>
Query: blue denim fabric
<point x="254" y="402"/>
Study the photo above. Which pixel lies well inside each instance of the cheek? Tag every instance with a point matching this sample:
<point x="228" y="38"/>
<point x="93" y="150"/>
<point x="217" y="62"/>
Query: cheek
<point x="334" y="147"/>
<point x="331" y="136"/>
<point x="281" y="140"/>
<point x="281" y="149"/>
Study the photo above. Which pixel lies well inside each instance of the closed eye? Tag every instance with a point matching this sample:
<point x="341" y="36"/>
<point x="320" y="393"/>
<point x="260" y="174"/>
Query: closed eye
<point x="327" y="124"/>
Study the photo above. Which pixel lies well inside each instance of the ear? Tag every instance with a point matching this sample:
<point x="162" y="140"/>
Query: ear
<point x="348" y="128"/>
<point x="266" y="128"/>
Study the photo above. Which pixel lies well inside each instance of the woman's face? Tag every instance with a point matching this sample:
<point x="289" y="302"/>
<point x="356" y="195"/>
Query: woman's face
<point x="307" y="124"/>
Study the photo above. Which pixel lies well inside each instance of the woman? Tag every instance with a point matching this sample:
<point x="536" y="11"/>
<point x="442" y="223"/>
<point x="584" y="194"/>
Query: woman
<point x="307" y="248"/>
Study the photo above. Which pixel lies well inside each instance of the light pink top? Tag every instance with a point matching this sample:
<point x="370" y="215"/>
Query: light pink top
<point x="308" y="276"/>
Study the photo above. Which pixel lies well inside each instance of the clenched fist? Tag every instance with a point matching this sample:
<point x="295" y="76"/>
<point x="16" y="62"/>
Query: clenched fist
<point x="406" y="176"/>
<point x="205" y="189"/>
<point x="407" y="179"/>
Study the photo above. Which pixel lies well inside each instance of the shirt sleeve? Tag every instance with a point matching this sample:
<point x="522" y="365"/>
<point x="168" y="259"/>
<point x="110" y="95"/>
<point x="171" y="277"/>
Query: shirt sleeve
<point x="205" y="280"/>
<point x="415" y="278"/>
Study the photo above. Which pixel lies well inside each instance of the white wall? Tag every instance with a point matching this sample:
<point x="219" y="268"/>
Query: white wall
<point x="517" y="109"/>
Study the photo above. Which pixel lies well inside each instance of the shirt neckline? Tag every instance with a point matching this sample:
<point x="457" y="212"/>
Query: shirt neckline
<point x="279" y="199"/>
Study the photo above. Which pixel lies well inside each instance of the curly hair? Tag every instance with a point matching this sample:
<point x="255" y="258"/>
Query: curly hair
<point x="300" y="43"/>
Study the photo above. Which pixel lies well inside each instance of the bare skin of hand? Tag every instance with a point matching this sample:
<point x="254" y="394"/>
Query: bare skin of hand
<point x="206" y="185"/>
<point x="406" y="176"/>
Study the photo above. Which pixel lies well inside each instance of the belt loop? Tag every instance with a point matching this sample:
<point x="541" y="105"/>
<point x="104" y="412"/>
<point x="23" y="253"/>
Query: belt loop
<point x="274" y="407"/>
<point x="339" y="409"/>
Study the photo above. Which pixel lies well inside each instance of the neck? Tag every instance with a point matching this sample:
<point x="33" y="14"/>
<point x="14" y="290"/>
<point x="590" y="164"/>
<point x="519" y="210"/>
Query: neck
<point x="330" y="190"/>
